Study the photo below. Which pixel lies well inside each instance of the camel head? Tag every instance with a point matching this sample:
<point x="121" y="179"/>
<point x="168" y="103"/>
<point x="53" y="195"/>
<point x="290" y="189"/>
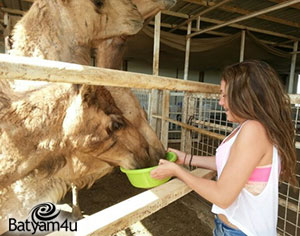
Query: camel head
<point x="100" y="130"/>
<point x="70" y="130"/>
<point x="65" y="30"/>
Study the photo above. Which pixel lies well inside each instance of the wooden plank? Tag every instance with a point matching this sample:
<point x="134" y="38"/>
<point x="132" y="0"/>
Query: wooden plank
<point x="190" y="127"/>
<point x="124" y="214"/>
<point x="296" y="6"/>
<point x="171" y="26"/>
<point x="13" y="11"/>
<point x="13" y="67"/>
<point x="295" y="98"/>
<point x="214" y="126"/>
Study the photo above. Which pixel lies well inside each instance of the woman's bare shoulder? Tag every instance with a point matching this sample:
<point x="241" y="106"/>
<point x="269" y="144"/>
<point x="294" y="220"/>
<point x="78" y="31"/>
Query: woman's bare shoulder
<point x="254" y="130"/>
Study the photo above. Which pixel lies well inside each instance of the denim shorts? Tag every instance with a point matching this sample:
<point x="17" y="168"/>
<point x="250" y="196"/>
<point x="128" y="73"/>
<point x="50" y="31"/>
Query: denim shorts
<point x="222" y="229"/>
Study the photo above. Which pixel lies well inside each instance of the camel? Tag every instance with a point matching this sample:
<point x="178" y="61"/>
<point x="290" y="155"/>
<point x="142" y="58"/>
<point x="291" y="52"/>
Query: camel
<point x="53" y="135"/>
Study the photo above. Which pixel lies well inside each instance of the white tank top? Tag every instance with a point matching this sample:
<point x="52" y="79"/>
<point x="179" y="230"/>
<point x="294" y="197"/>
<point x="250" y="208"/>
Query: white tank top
<point x="255" y="215"/>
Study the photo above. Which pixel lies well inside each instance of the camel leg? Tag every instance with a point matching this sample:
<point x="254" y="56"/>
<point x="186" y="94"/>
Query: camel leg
<point x="76" y="212"/>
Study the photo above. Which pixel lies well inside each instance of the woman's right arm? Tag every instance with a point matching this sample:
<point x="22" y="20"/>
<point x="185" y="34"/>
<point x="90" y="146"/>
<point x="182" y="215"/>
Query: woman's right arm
<point x="207" y="162"/>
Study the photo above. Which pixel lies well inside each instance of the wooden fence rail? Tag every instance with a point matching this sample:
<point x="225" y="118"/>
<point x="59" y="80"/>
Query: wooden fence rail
<point x="13" y="67"/>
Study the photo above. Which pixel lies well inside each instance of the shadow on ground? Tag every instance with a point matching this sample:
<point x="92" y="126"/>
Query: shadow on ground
<point x="188" y="216"/>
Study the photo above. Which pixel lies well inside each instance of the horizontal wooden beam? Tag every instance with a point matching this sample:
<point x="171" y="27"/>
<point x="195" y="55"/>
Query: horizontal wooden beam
<point x="295" y="98"/>
<point x="170" y="26"/>
<point x="190" y="127"/>
<point x="202" y="2"/>
<point x="243" y="27"/>
<point x="26" y="68"/>
<point x="126" y="213"/>
<point x="296" y="6"/>
<point x="13" y="11"/>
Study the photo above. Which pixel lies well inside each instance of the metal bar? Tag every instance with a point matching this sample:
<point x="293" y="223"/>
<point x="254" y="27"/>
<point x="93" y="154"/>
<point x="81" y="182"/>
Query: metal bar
<point x="293" y="66"/>
<point x="254" y="14"/>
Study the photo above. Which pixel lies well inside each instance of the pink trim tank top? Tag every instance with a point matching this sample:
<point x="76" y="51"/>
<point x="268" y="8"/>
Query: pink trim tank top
<point x="255" y="215"/>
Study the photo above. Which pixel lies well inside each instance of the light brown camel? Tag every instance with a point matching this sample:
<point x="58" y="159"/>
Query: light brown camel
<point x="53" y="135"/>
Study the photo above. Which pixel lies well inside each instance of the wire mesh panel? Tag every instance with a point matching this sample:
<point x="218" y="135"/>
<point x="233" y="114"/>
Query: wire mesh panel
<point x="207" y="115"/>
<point x="289" y="205"/>
<point x="175" y="113"/>
<point x="143" y="97"/>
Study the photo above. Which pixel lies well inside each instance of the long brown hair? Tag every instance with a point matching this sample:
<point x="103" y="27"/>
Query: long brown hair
<point x="255" y="92"/>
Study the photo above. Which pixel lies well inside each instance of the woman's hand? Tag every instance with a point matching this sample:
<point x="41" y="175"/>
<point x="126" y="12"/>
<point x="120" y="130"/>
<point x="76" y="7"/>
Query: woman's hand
<point x="180" y="156"/>
<point x="164" y="170"/>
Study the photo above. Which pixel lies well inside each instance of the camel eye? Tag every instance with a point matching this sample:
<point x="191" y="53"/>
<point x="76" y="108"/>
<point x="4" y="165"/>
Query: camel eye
<point x="98" y="3"/>
<point x="116" y="125"/>
<point x="117" y="122"/>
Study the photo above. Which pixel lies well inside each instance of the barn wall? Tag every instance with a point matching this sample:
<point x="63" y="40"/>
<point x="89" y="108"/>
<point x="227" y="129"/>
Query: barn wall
<point x="173" y="72"/>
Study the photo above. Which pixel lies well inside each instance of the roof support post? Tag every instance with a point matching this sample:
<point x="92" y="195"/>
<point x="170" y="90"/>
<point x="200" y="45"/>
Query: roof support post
<point x="293" y="66"/>
<point x="6" y="33"/>
<point x="154" y="93"/>
<point x="242" y="50"/>
<point x="198" y="22"/>
<point x="185" y="143"/>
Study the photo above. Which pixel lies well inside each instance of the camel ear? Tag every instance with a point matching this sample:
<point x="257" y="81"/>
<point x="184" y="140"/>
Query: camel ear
<point x="99" y="98"/>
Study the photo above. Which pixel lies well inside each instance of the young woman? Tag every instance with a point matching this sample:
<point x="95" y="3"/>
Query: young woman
<point x="251" y="159"/>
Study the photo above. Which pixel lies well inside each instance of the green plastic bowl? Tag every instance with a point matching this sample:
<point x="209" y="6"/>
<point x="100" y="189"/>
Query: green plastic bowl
<point x="141" y="178"/>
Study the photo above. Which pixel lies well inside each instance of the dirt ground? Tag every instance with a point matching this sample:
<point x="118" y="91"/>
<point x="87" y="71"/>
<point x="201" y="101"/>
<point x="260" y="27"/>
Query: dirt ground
<point x="188" y="216"/>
